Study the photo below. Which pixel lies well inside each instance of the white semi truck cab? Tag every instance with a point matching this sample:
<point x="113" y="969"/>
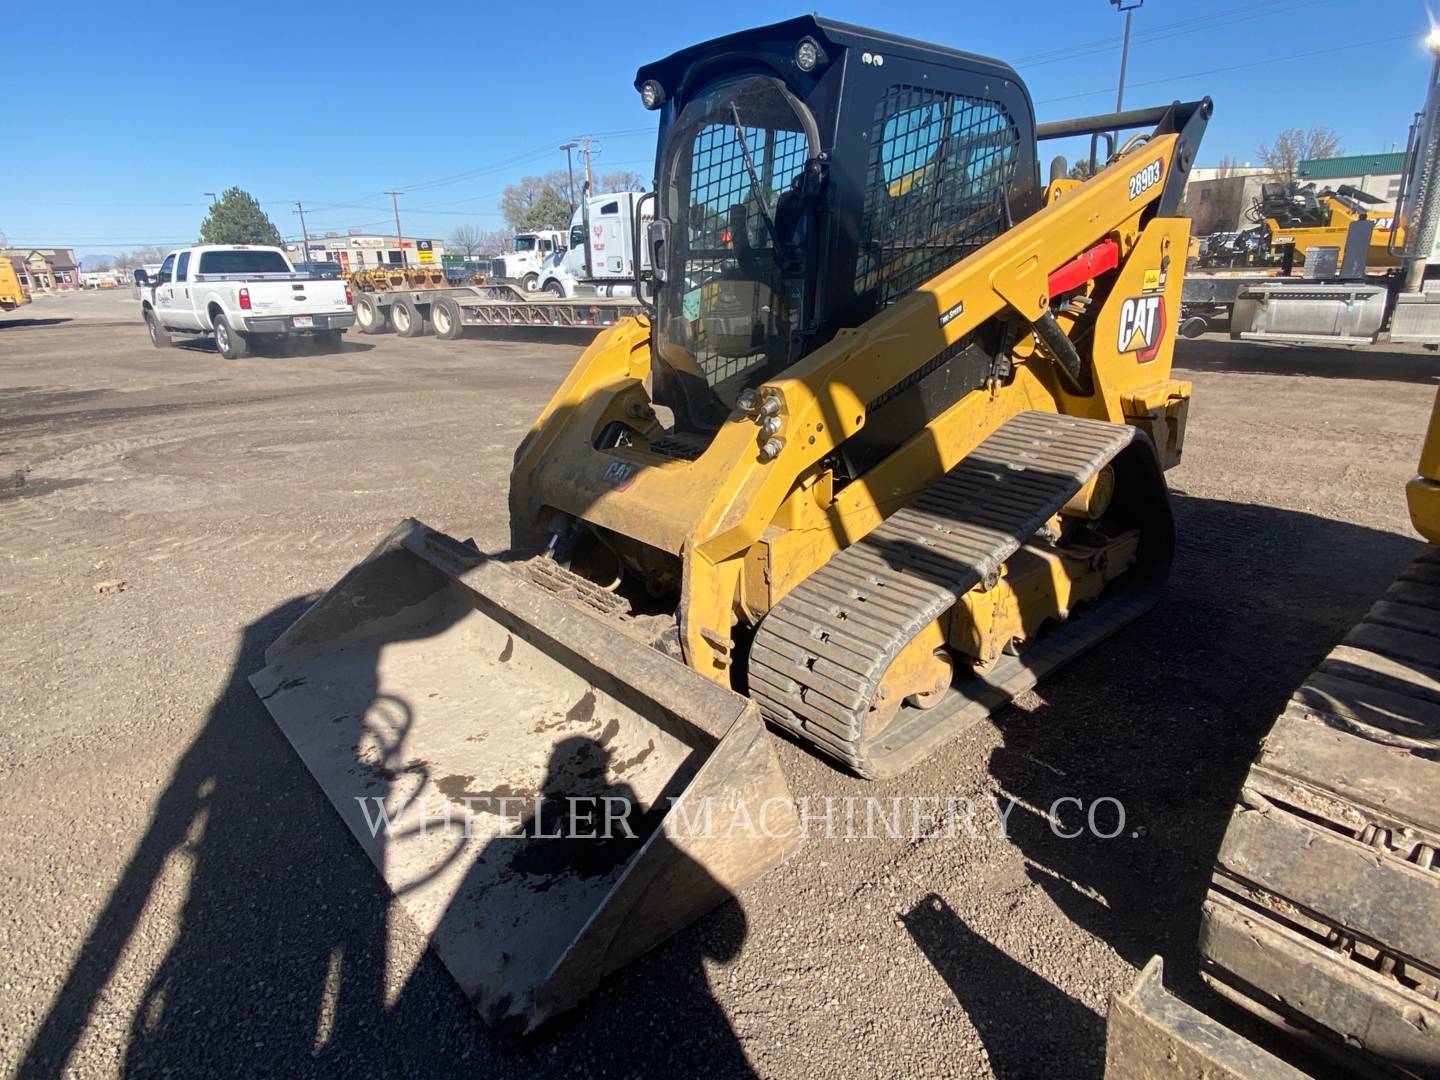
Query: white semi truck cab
<point x="531" y="249"/>
<point x="601" y="249"/>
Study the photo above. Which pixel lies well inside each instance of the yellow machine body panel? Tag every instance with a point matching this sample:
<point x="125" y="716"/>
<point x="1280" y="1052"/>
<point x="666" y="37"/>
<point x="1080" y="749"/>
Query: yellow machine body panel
<point x="1422" y="494"/>
<point x="712" y="512"/>
<point x="12" y="293"/>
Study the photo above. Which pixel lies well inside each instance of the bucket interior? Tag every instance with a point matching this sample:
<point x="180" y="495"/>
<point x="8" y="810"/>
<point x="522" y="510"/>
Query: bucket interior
<point x="500" y="781"/>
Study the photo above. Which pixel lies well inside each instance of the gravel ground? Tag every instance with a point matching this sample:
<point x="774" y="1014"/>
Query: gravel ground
<point x="180" y="896"/>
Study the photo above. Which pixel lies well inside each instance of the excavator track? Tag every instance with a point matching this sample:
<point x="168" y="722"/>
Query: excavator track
<point x="1323" y="908"/>
<point x="819" y="654"/>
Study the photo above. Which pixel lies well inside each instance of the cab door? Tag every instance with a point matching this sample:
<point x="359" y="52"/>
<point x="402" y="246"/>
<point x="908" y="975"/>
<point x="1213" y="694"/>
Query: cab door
<point x="164" y="292"/>
<point x="183" y="308"/>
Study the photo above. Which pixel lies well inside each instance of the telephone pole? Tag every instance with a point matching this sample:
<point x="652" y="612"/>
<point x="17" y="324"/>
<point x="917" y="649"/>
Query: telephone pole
<point x="589" y="176"/>
<point x="304" y="236"/>
<point x="399" y="239"/>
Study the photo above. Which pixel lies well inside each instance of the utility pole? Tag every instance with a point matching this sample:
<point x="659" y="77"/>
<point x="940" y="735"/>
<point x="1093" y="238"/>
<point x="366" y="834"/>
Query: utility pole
<point x="585" y="153"/>
<point x="399" y="239"/>
<point x="1128" y="7"/>
<point x="304" y="236"/>
<point x="570" y="170"/>
<point x="212" y="196"/>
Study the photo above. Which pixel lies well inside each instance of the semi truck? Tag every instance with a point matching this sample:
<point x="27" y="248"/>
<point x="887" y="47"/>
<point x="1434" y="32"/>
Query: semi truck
<point x="600" y="257"/>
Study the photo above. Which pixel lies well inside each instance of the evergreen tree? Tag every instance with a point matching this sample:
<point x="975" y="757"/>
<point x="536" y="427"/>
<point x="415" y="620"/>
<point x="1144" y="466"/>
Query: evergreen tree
<point x="238" y="219"/>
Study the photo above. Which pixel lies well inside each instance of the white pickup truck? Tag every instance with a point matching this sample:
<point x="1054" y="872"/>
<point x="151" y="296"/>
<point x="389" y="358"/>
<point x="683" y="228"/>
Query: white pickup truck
<point x="238" y="293"/>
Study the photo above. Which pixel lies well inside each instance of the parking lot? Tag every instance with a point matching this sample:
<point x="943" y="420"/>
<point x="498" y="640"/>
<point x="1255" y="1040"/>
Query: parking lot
<point x="180" y="893"/>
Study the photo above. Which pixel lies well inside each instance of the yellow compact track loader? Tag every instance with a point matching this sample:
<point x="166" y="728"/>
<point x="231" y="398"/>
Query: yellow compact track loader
<point x="886" y="450"/>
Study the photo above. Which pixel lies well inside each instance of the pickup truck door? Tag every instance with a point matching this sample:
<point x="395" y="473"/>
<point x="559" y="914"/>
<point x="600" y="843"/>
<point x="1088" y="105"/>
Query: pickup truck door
<point x="163" y="292"/>
<point x="183" y="310"/>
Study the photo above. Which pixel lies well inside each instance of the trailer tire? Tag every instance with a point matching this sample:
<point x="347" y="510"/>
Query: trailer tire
<point x="555" y="289"/>
<point x="158" y="337"/>
<point x="448" y="318"/>
<point x="407" y="319"/>
<point x="229" y="342"/>
<point x="369" y="315"/>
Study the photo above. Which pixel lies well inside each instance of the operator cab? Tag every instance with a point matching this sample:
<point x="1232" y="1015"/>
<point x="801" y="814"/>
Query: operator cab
<point x="809" y="174"/>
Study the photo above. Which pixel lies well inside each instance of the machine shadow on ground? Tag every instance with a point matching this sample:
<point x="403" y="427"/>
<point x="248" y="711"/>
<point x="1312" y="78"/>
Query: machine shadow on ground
<point x="1221" y="355"/>
<point x="19" y="324"/>
<point x="1168" y="736"/>
<point x="280" y="963"/>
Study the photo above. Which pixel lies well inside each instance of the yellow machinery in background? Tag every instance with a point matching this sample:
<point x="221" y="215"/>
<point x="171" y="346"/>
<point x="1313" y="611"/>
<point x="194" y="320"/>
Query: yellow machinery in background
<point x="1301" y="218"/>
<point x="12" y="293"/>
<point x="886" y="450"/>
<point x="384" y="278"/>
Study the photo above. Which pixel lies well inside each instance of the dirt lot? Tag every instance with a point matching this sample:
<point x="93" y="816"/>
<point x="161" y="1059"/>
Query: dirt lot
<point x="181" y="897"/>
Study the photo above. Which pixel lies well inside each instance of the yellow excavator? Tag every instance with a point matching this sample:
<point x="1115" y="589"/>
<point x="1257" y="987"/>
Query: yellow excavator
<point x="886" y="449"/>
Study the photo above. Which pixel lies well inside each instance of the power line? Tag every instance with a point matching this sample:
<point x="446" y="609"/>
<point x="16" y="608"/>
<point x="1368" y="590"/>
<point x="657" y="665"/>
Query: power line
<point x="1269" y="60"/>
<point x="1179" y="28"/>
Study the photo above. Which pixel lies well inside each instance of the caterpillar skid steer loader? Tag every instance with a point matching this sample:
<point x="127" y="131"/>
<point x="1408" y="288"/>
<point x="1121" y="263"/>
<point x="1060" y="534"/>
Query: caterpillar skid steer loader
<point x="887" y="449"/>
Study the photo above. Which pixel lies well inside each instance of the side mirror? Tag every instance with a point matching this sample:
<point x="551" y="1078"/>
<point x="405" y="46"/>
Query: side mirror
<point x="141" y="277"/>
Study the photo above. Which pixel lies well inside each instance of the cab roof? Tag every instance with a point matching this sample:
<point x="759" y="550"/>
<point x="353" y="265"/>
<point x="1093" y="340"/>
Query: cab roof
<point x="671" y="70"/>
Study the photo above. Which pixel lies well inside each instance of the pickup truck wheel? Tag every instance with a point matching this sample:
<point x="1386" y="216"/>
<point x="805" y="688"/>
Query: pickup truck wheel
<point x="448" y="317"/>
<point x="369" y="315"/>
<point x="229" y="341"/>
<point x="158" y="337"/>
<point x="406" y="318"/>
<point x="530" y="282"/>
<point x="555" y="289"/>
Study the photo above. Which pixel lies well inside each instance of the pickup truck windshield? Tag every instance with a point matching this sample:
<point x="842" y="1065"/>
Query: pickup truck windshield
<point x="242" y="262"/>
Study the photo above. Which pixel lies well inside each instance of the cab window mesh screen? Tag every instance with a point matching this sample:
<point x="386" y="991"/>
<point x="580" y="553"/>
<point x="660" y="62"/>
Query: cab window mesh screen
<point x="935" y="190"/>
<point x="721" y="178"/>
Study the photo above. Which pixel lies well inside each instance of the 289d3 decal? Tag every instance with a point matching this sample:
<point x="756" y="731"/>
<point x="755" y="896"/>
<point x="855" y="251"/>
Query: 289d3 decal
<point x="1146" y="179"/>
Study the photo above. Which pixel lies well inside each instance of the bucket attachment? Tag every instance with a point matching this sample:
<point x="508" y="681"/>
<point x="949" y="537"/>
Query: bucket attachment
<point x="546" y="796"/>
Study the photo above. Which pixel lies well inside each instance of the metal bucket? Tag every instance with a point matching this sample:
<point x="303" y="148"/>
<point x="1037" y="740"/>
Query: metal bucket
<point x="547" y="797"/>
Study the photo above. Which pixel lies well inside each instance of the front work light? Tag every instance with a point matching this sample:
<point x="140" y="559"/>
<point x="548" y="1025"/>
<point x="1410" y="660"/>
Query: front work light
<point x="652" y="94"/>
<point x="808" y="54"/>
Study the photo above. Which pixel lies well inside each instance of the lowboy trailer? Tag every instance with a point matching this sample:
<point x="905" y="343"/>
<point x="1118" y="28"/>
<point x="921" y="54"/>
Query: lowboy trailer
<point x="414" y="312"/>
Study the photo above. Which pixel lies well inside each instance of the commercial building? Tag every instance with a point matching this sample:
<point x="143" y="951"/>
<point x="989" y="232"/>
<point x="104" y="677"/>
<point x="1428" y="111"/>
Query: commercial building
<point x="368" y="251"/>
<point x="43" y="270"/>
<point x="1375" y="174"/>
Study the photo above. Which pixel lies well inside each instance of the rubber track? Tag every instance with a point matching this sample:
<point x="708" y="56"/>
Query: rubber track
<point x="1325" y="901"/>
<point x="819" y="655"/>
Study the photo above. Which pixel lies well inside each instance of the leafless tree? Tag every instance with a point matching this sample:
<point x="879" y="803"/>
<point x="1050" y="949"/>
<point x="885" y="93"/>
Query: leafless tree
<point x="1282" y="157"/>
<point x="1227" y="168"/>
<point x="496" y="241"/>
<point x="620" y="180"/>
<point x="467" y="240"/>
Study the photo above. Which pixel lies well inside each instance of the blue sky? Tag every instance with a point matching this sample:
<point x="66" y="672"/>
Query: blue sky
<point x="140" y="108"/>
